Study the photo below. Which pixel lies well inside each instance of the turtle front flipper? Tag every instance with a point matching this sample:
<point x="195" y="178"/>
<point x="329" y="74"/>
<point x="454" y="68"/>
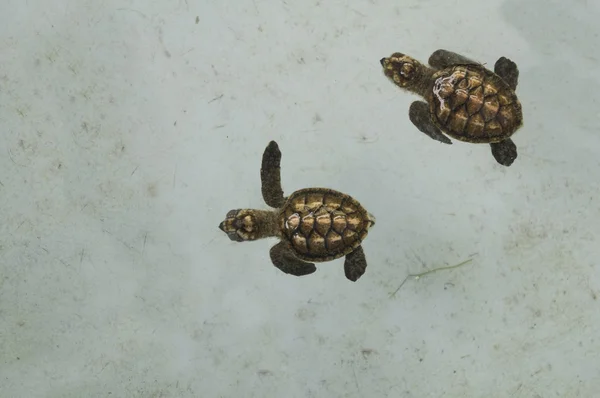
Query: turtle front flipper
<point x="355" y="264"/>
<point x="441" y="59"/>
<point x="419" y="115"/>
<point x="508" y="71"/>
<point x="270" y="176"/>
<point x="505" y="152"/>
<point x="284" y="259"/>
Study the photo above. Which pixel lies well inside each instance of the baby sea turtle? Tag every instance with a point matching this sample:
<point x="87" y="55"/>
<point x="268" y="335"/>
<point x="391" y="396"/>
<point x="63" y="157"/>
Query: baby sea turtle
<point x="464" y="100"/>
<point x="313" y="224"/>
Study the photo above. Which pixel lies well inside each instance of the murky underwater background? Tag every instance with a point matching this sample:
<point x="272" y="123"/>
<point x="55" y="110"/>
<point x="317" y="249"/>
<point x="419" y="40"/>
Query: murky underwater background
<point x="129" y="129"/>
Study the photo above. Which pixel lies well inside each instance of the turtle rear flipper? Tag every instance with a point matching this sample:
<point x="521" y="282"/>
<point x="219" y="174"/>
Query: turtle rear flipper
<point x="355" y="264"/>
<point x="270" y="176"/>
<point x="420" y="117"/>
<point x="505" y="152"/>
<point x="441" y="59"/>
<point x="284" y="259"/>
<point x="508" y="71"/>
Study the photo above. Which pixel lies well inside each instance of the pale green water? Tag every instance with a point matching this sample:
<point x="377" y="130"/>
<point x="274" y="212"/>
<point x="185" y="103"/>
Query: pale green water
<point x="130" y="129"/>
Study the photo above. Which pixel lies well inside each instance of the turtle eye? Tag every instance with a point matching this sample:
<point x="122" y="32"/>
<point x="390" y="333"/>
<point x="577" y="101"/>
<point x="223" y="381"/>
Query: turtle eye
<point x="235" y="237"/>
<point x="232" y="213"/>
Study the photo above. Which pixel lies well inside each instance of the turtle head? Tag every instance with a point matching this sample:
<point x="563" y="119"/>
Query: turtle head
<point x="243" y="225"/>
<point x="240" y="225"/>
<point x="401" y="69"/>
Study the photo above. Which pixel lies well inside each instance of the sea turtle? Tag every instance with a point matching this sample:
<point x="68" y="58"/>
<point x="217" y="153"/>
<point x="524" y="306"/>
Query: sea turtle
<point x="464" y="100"/>
<point x="313" y="224"/>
